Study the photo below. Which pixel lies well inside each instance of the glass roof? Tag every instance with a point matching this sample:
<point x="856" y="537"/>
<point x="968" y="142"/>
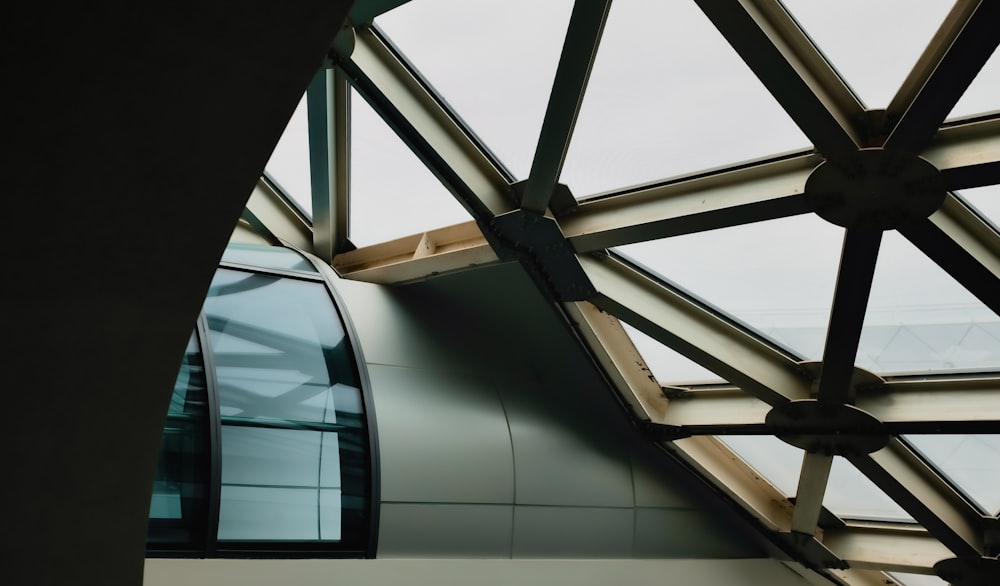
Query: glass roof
<point x="671" y="106"/>
<point x="667" y="96"/>
<point x="734" y="269"/>
<point x="288" y="166"/>
<point x="873" y="58"/>
<point x="667" y="365"/>
<point x="983" y="94"/>
<point x="497" y="80"/>
<point x="969" y="462"/>
<point x="919" y="319"/>
<point x="386" y="175"/>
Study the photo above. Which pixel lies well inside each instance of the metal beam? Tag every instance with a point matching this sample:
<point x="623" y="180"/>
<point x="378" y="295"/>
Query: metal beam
<point x="893" y="549"/>
<point x="962" y="244"/>
<point x="689" y="328"/>
<point x="583" y="36"/>
<point x="968" y="155"/>
<point x="614" y="350"/>
<point x="793" y="70"/>
<point x="922" y="493"/>
<point x="964" y="49"/>
<point x="328" y="100"/>
<point x="727" y="471"/>
<point x="813" y="478"/>
<point x="417" y="257"/>
<point x="944" y="404"/>
<point x="424" y="124"/>
<point x="847" y="316"/>
<point x="279" y="217"/>
<point x="730" y="197"/>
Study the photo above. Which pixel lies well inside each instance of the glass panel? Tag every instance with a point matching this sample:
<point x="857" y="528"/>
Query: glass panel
<point x="262" y="513"/>
<point x="983" y="94"/>
<point x="329" y="467"/>
<point x="270" y="456"/>
<point x="178" y="508"/>
<point x="778" y="462"/>
<point x="288" y="166"/>
<point x="917" y="579"/>
<point x="668" y="96"/>
<point x="330" y="505"/>
<point x="873" y="58"/>
<point x="667" y="365"/>
<point x="493" y="62"/>
<point x="272" y="257"/>
<point x="851" y="495"/>
<point x="971" y="462"/>
<point x="986" y="201"/>
<point x="919" y="319"/>
<point x="278" y="346"/>
<point x="776" y="276"/>
<point x="393" y="194"/>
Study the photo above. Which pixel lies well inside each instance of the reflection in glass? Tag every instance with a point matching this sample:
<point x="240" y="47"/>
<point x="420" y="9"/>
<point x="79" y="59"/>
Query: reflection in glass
<point x="178" y="508"/>
<point x="498" y="86"/>
<point x="669" y="96"/>
<point x="275" y="257"/>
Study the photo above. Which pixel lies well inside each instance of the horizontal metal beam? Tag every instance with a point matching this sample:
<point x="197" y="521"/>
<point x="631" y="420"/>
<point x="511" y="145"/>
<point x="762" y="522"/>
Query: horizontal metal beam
<point x="417" y="257"/>
<point x="893" y="549"/>
<point x="695" y="332"/>
<point x="279" y="217"/>
<point x="968" y="155"/>
<point x="905" y="405"/>
<point x="793" y="70"/>
<point x="968" y="38"/>
<point x="962" y="244"/>
<point x="757" y="191"/>
<point x="423" y="123"/>
<point x="583" y="36"/>
<point x="922" y="493"/>
<point x="613" y="348"/>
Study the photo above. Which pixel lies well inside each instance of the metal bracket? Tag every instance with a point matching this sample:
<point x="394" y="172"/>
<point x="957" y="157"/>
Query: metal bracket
<point x="538" y="241"/>
<point x="561" y="203"/>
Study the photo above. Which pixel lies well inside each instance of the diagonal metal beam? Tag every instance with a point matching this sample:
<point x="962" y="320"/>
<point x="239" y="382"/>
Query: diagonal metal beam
<point x="692" y="330"/>
<point x="423" y="123"/>
<point x="793" y="70"/>
<point x="850" y="301"/>
<point x="922" y="493"/>
<point x="759" y="191"/>
<point x="962" y="244"/>
<point x="579" y="49"/>
<point x="813" y="478"/>
<point x="613" y="348"/>
<point x="328" y="100"/>
<point x="278" y="217"/>
<point x="968" y="155"/>
<point x="965" y="42"/>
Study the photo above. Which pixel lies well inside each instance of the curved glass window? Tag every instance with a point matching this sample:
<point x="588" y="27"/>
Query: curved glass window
<point x="284" y="438"/>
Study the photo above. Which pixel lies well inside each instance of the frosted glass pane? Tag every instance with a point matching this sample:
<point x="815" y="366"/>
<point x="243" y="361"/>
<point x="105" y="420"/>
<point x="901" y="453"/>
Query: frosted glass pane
<point x="268" y="514"/>
<point x="329" y="475"/>
<point x="270" y="456"/>
<point x="667" y="365"/>
<point x="330" y="514"/>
